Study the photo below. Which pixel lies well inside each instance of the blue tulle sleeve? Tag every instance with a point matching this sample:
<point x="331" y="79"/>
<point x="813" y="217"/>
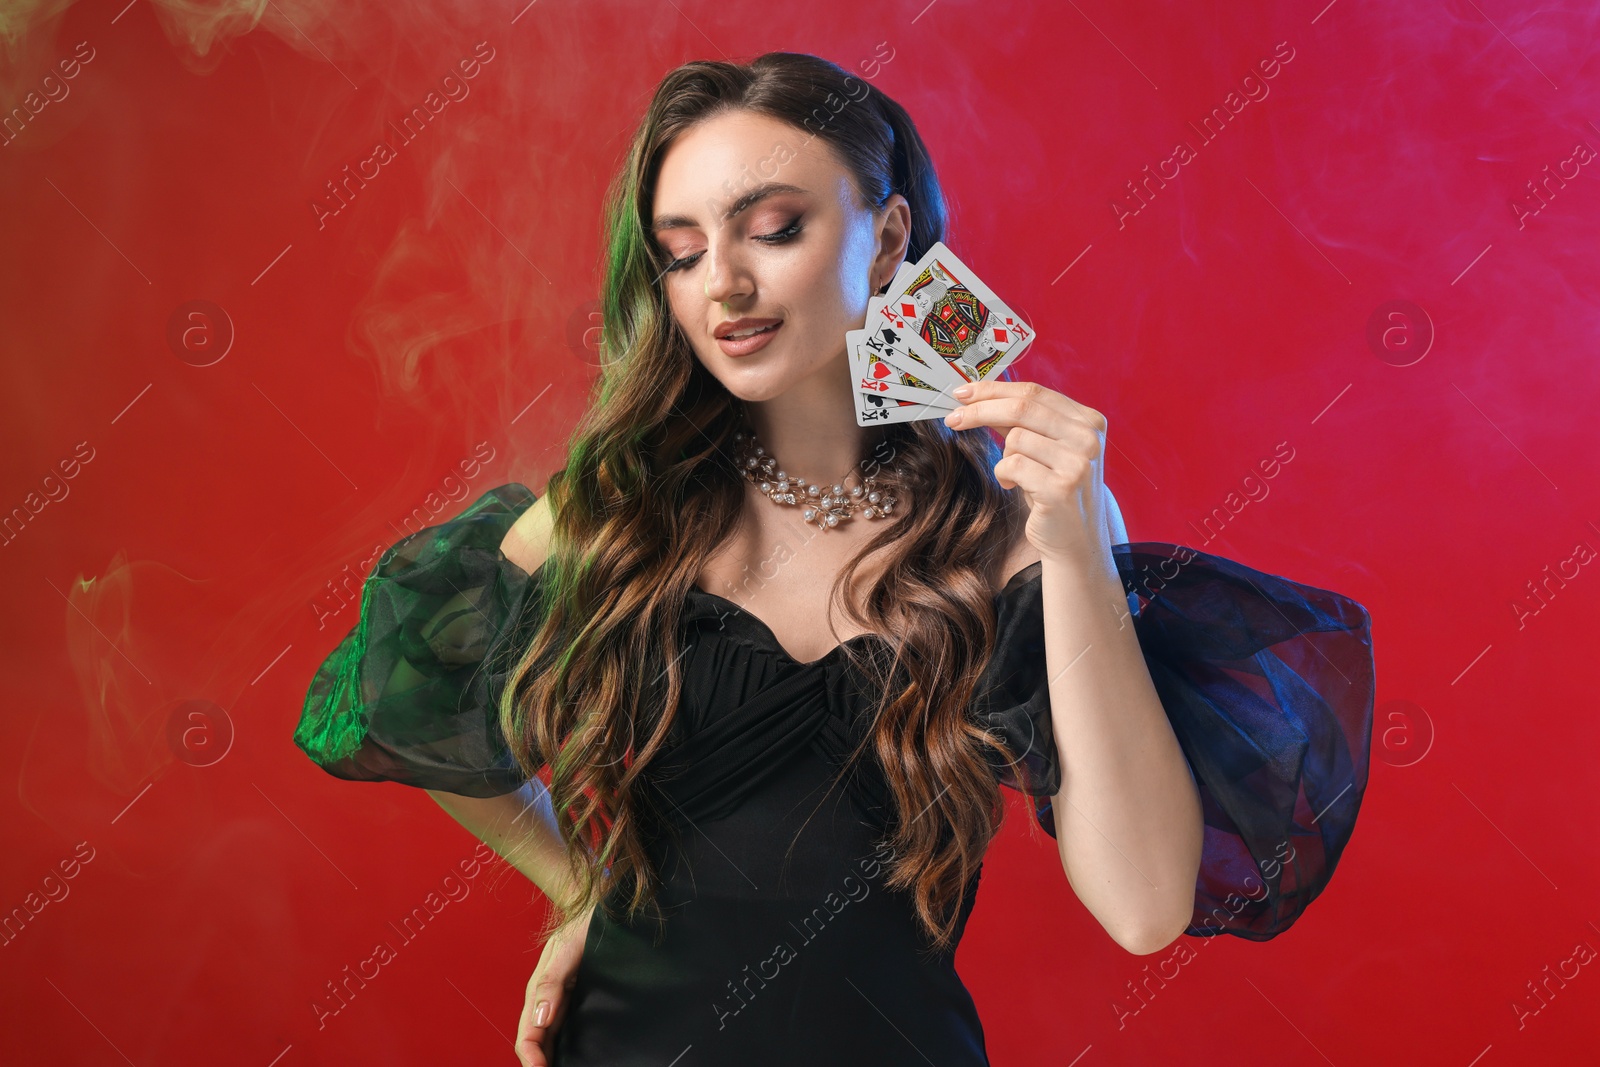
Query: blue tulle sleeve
<point x="410" y="695"/>
<point x="1268" y="685"/>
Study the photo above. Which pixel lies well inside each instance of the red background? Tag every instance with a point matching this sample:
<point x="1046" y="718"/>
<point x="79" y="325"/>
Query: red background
<point x="443" y="312"/>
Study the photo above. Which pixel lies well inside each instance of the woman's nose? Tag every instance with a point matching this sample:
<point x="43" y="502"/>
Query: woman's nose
<point x="726" y="279"/>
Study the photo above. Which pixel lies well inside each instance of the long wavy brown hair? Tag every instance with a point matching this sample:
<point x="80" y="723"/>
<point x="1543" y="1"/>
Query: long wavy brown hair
<point x="650" y="489"/>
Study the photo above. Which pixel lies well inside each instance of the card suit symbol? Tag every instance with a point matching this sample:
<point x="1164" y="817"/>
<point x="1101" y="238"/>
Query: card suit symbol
<point x="880" y="370"/>
<point x="909" y="310"/>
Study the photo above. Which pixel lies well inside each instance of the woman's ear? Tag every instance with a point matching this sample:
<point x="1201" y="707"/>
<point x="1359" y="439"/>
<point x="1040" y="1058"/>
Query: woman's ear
<point x="894" y="237"/>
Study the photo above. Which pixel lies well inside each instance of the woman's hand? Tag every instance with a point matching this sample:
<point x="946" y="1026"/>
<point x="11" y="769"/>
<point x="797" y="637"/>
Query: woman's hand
<point x="546" y="1002"/>
<point x="1054" y="450"/>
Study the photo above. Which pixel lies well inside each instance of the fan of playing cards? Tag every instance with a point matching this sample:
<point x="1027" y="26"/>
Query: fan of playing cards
<point x="937" y="327"/>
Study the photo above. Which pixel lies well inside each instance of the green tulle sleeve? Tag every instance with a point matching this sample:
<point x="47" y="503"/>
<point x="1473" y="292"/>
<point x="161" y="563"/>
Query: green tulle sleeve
<point x="411" y="693"/>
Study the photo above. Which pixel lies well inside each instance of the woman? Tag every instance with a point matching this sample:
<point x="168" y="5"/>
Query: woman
<point x="775" y="741"/>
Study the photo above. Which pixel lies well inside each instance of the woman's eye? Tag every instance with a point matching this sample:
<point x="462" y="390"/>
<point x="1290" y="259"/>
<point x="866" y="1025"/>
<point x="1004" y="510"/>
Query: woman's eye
<point x="788" y="233"/>
<point x="782" y="235"/>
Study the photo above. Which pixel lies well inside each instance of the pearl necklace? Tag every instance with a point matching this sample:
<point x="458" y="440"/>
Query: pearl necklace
<point x="825" y="506"/>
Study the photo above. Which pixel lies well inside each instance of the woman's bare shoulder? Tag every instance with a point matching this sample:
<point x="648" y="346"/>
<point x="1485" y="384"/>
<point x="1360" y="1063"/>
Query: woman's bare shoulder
<point x="1023" y="553"/>
<point x="527" y="543"/>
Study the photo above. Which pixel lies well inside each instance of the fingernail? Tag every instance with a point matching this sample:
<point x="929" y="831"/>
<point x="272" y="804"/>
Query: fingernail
<point x="962" y="391"/>
<point x="541" y="1011"/>
<point x="952" y="418"/>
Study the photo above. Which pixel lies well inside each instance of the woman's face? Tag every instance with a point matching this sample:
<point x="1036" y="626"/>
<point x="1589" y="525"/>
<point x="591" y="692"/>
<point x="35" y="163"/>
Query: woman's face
<point x="798" y="251"/>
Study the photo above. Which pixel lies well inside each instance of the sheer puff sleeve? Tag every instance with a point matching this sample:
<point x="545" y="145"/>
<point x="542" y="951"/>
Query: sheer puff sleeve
<point x="411" y="693"/>
<point x="1268" y="685"/>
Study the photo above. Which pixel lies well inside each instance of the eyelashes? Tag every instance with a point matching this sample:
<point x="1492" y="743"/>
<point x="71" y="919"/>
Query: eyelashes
<point x="788" y="233"/>
<point x="783" y="236"/>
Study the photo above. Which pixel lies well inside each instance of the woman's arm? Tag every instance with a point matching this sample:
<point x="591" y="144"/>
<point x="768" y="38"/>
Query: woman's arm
<point x="1127" y="816"/>
<point x="1128" y="824"/>
<point x="1123" y="817"/>
<point x="1128" y="820"/>
<point x="521" y="827"/>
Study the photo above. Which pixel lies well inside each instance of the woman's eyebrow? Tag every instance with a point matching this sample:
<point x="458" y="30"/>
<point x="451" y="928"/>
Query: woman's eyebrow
<point x="754" y="196"/>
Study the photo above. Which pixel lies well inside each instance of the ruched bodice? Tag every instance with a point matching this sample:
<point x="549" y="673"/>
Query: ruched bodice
<point x="773" y="939"/>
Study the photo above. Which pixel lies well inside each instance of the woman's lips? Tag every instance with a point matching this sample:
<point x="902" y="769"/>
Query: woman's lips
<point x="743" y="346"/>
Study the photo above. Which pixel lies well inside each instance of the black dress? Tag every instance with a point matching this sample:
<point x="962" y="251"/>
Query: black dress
<point x="775" y="941"/>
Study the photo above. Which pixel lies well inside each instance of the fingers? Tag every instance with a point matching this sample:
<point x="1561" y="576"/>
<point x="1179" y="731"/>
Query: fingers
<point x="1003" y="404"/>
<point x="535" y="1027"/>
<point x="1044" y="452"/>
<point x="544" y="1005"/>
<point x="541" y="1009"/>
<point x="1016" y="468"/>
